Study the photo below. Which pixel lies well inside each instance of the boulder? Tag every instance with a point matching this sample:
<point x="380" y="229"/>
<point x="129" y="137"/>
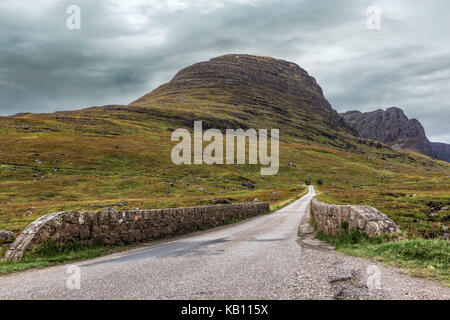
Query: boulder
<point x="6" y="235"/>
<point x="249" y="185"/>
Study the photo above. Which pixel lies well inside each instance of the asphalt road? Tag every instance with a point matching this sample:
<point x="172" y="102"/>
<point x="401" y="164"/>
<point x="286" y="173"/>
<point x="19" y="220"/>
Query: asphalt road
<point x="262" y="258"/>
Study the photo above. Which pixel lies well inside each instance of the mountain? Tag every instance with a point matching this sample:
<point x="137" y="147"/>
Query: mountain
<point x="391" y="127"/>
<point x="442" y="151"/>
<point x="248" y="91"/>
<point x="120" y="155"/>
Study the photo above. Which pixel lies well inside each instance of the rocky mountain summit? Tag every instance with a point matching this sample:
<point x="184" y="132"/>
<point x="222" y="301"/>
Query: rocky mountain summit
<point x="391" y="127"/>
<point x="239" y="90"/>
<point x="442" y="151"/>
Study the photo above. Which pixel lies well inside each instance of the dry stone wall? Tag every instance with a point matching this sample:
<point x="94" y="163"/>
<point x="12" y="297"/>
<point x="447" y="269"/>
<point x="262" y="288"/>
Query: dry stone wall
<point x="123" y="227"/>
<point x="330" y="218"/>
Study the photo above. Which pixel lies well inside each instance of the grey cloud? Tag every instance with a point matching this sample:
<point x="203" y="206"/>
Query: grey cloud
<point x="45" y="67"/>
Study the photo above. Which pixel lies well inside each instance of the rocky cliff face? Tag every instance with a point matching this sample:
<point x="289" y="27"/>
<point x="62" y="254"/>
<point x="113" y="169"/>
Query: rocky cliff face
<point x="248" y="91"/>
<point x="391" y="127"/>
<point x="442" y="151"/>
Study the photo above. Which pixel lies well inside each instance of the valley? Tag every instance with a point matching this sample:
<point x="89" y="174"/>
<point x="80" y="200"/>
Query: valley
<point x="120" y="155"/>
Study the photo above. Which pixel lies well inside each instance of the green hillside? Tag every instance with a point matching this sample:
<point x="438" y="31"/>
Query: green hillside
<point x="120" y="155"/>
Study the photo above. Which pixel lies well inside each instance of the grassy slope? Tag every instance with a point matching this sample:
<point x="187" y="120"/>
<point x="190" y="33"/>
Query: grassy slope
<point x="75" y="168"/>
<point x="95" y="161"/>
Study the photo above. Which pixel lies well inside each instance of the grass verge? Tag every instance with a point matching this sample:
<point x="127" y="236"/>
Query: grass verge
<point x="51" y="254"/>
<point x="421" y="257"/>
<point x="424" y="258"/>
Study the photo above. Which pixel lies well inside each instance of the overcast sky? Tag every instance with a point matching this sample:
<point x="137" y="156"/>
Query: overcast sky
<point x="125" y="49"/>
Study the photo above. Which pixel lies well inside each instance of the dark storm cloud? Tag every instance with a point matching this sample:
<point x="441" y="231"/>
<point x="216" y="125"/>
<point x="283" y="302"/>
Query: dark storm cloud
<point x="127" y="48"/>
